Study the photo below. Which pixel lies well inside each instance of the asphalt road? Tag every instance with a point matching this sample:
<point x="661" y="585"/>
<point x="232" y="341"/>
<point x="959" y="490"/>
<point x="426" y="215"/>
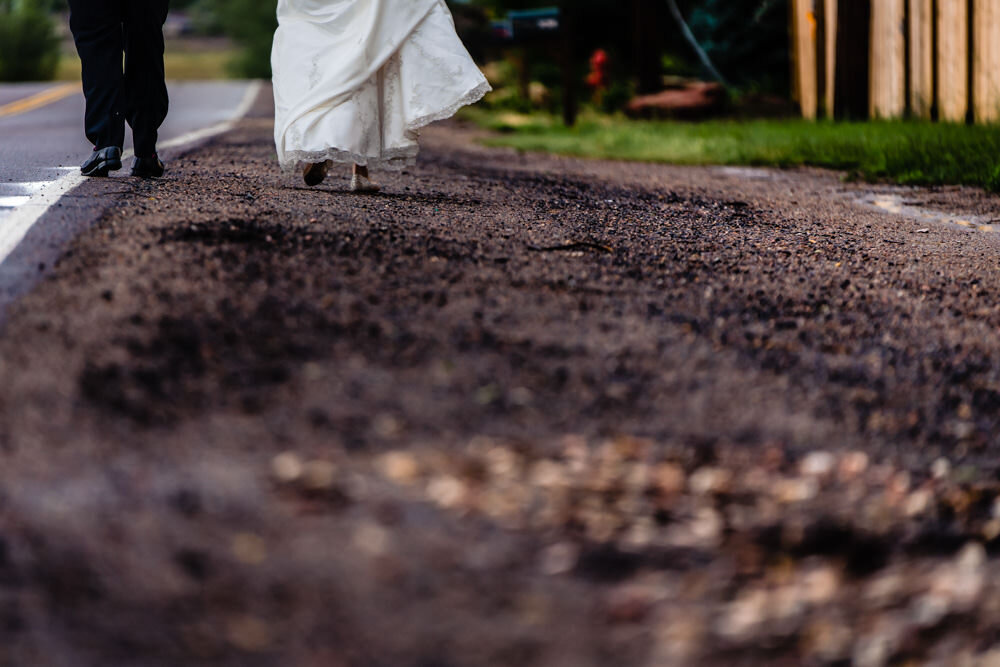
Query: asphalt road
<point x="39" y="143"/>
<point x="43" y="143"/>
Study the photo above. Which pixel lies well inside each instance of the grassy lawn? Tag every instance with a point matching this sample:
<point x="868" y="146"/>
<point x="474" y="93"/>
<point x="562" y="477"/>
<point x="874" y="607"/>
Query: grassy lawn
<point x="902" y="152"/>
<point x="184" y="60"/>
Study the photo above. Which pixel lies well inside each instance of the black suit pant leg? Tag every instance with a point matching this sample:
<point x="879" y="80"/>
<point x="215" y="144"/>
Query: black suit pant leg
<point x="97" y="31"/>
<point x="145" y="91"/>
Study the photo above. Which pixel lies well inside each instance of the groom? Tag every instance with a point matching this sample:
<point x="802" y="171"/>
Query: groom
<point x="105" y="31"/>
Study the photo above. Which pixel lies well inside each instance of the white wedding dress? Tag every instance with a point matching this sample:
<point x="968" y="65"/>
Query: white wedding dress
<point x="354" y="80"/>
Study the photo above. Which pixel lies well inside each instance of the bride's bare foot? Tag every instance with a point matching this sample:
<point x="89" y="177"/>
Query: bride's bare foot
<point x="313" y="174"/>
<point x="360" y="181"/>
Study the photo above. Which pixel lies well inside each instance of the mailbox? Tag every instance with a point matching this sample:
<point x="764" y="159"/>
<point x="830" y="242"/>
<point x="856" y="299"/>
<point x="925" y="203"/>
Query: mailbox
<point x="501" y="31"/>
<point x="535" y="24"/>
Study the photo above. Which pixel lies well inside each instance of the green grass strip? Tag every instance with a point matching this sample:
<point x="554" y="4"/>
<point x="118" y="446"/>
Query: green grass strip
<point x="903" y="152"/>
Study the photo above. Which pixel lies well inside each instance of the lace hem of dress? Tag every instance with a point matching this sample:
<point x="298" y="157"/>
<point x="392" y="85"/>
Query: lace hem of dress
<point x="470" y="97"/>
<point x="391" y="159"/>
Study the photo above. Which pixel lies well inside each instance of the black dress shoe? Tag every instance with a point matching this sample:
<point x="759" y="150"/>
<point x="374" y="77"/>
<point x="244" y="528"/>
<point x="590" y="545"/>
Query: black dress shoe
<point x="148" y="167"/>
<point x="102" y="161"/>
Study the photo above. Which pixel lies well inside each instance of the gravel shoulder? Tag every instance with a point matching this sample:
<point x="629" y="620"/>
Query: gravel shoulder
<point x="514" y="410"/>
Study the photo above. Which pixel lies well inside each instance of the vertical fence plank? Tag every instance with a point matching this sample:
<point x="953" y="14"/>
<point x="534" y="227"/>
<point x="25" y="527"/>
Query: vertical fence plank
<point x="953" y="60"/>
<point x="830" y="44"/>
<point x="922" y="58"/>
<point x="888" y="59"/>
<point x="804" y="39"/>
<point x="986" y="61"/>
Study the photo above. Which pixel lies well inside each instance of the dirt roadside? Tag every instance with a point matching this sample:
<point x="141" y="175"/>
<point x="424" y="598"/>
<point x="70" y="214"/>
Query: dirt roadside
<point x="514" y="410"/>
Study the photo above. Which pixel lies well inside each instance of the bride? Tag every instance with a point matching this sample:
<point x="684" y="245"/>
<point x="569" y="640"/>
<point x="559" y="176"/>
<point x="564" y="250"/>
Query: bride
<point x="354" y="80"/>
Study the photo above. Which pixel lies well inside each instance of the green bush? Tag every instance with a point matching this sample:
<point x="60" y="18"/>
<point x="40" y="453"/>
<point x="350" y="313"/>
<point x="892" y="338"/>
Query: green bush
<point x="747" y="40"/>
<point x="29" y="47"/>
<point x="251" y="24"/>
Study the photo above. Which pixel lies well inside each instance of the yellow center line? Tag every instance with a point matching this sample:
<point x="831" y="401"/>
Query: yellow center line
<point x="39" y="100"/>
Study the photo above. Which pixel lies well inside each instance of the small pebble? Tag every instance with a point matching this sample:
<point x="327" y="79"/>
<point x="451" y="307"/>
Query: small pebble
<point x="899" y="484"/>
<point x="398" y="466"/>
<point x="559" y="558"/>
<point x="872" y="651"/>
<point x="640" y="535"/>
<point x="852" y="465"/>
<point x="286" y="467"/>
<point x="548" y="474"/>
<point x="248" y="633"/>
<point x="707" y="525"/>
<point x="820" y="586"/>
<point x="628" y="604"/>
<point x="818" y="464"/>
<point x="929" y="610"/>
<point x="744" y="615"/>
<point x="706" y="481"/>
<point x="386" y="426"/>
<point x="669" y="479"/>
<point x="446" y="491"/>
<point x="791" y="491"/>
<point x="249" y="548"/>
<point x="319" y="475"/>
<point x="371" y="539"/>
<point x="988" y="659"/>
<point x="678" y="640"/>
<point x="502" y="462"/>
<point x="829" y="641"/>
<point x="918" y="503"/>
<point x="940" y="468"/>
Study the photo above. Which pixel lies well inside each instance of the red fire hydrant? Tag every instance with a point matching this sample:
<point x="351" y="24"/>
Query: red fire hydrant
<point x="597" y="79"/>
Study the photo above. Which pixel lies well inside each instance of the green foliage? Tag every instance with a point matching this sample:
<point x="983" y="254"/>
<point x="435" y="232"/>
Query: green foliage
<point x="40" y="5"/>
<point x="204" y="17"/>
<point x="617" y="96"/>
<point x="914" y="153"/>
<point x="251" y="24"/>
<point x="746" y="39"/>
<point x="29" y="48"/>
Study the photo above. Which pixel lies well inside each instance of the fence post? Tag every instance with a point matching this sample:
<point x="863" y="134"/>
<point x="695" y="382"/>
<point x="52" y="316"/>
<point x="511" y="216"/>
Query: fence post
<point x="826" y="54"/>
<point x="831" y="55"/>
<point x="986" y="61"/>
<point x="953" y="60"/>
<point x="567" y="62"/>
<point x="888" y="59"/>
<point x="921" y="58"/>
<point x="804" y="42"/>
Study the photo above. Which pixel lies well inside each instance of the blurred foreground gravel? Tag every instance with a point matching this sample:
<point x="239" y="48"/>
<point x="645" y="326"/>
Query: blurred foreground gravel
<point x="514" y="410"/>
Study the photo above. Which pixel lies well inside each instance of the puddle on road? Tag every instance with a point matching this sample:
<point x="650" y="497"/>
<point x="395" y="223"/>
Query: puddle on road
<point x="898" y="205"/>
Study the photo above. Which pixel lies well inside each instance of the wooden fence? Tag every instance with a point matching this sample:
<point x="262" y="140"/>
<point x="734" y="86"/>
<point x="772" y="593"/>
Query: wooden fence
<point x="930" y="59"/>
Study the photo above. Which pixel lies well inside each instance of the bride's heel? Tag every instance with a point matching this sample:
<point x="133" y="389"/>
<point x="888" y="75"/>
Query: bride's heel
<point x="314" y="174"/>
<point x="361" y="183"/>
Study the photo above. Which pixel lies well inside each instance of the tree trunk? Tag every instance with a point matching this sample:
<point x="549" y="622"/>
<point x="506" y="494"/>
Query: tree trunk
<point x="568" y="63"/>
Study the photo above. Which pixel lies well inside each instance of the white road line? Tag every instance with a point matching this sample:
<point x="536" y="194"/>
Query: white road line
<point x="18" y="194"/>
<point x="14" y="227"/>
<point x="14" y="201"/>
